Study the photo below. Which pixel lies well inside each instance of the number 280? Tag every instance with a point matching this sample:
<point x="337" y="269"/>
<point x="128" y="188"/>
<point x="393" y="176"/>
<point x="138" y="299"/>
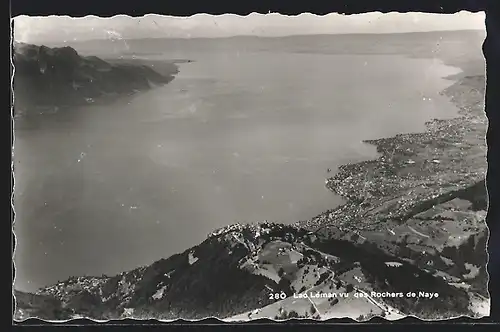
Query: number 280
<point x="277" y="296"/>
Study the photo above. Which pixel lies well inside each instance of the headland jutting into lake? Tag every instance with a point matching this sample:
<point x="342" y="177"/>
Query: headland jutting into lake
<point x="417" y="167"/>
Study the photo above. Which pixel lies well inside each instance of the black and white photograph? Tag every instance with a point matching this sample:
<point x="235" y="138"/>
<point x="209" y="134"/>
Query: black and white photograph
<point x="265" y="166"/>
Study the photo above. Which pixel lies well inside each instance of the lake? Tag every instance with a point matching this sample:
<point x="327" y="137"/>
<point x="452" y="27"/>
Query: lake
<point x="240" y="135"/>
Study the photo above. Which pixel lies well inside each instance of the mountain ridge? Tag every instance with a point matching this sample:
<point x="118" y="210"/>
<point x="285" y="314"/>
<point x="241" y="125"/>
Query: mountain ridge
<point x="48" y="78"/>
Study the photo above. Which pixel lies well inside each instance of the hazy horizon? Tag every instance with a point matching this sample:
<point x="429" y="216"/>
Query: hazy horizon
<point x="65" y="28"/>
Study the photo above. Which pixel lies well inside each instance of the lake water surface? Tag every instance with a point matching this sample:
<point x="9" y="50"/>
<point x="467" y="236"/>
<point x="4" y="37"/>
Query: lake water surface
<point x="236" y="137"/>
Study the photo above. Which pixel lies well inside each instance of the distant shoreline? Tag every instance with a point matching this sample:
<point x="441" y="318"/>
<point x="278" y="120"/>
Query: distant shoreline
<point x="249" y="36"/>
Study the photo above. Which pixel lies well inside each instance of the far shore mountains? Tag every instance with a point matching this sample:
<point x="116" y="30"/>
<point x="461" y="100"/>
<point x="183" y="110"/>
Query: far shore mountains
<point x="53" y="78"/>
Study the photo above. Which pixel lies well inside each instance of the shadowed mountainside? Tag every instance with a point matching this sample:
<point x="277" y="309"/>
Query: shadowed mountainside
<point x="47" y="78"/>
